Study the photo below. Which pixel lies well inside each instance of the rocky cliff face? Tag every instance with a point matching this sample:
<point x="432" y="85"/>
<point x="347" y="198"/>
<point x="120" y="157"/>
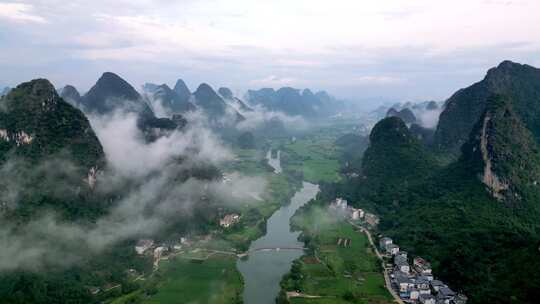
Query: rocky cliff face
<point x="503" y="152"/>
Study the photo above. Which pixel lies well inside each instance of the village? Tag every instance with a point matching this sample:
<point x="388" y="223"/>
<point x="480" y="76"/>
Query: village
<point x="163" y="250"/>
<point x="412" y="284"/>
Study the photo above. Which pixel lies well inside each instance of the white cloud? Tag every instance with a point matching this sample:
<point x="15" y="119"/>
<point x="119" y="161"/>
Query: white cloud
<point x="377" y="80"/>
<point x="131" y="156"/>
<point x="299" y="42"/>
<point x="275" y="81"/>
<point x="19" y="12"/>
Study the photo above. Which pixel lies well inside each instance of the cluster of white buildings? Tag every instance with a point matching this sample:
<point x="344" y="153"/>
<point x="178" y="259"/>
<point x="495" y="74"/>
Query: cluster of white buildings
<point x="415" y="283"/>
<point x="145" y="246"/>
<point x="229" y="220"/>
<point x="341" y="207"/>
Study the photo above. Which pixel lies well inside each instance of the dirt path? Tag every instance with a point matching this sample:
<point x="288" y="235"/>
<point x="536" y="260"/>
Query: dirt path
<point x="386" y="277"/>
<point x="294" y="294"/>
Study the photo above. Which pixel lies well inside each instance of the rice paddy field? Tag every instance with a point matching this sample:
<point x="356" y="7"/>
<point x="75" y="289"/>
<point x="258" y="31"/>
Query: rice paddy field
<point x="214" y="280"/>
<point x="341" y="268"/>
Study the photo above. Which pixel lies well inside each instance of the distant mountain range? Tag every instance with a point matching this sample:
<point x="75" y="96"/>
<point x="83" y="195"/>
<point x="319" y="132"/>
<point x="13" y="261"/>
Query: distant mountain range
<point x="170" y="100"/>
<point x="293" y="101"/>
<point x="406" y="115"/>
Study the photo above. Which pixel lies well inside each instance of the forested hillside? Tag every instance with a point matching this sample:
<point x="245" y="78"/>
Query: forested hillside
<point x="476" y="219"/>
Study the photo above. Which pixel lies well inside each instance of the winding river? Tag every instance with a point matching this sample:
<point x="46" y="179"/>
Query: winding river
<point x="266" y="264"/>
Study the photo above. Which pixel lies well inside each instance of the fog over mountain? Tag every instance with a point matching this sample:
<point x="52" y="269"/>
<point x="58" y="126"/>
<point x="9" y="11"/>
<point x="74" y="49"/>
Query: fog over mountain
<point x="161" y="176"/>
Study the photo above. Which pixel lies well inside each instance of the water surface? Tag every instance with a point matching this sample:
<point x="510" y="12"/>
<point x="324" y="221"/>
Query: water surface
<point x="263" y="270"/>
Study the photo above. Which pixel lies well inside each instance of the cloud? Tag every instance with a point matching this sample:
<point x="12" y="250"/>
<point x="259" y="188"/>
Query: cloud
<point x="428" y="119"/>
<point x="376" y="80"/>
<point x="155" y="185"/>
<point x="259" y="117"/>
<point x="19" y="12"/>
<point x="129" y="154"/>
<point x="353" y="52"/>
<point x="273" y="81"/>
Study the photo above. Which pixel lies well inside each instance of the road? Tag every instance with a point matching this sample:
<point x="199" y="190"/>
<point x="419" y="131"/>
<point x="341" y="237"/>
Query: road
<point x="379" y="255"/>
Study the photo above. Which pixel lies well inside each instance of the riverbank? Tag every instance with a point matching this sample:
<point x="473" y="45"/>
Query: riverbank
<point x="340" y="265"/>
<point x="263" y="269"/>
<point x="205" y="271"/>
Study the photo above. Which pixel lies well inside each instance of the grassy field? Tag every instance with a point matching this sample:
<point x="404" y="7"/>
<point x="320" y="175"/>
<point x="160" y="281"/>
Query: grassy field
<point x="315" y="154"/>
<point x="213" y="281"/>
<point x="217" y="280"/>
<point x="338" y="274"/>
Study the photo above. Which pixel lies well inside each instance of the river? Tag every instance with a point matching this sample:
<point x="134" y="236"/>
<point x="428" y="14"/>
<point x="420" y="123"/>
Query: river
<point x="263" y="270"/>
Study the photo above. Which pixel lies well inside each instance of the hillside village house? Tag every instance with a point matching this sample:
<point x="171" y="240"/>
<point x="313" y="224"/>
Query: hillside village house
<point x="445" y="295"/>
<point x="339" y="203"/>
<point x="416" y="284"/>
<point x="392" y="249"/>
<point x="436" y="285"/>
<point x="422" y="284"/>
<point x="422" y="266"/>
<point x="229" y="220"/>
<point x="342" y="208"/>
<point x="356" y="214"/>
<point x="414" y="294"/>
<point x="143" y="245"/>
<point x="404" y="284"/>
<point x="371" y="219"/>
<point x="158" y="252"/>
<point x="383" y="242"/>
<point x="402" y="264"/>
<point x="427" y="299"/>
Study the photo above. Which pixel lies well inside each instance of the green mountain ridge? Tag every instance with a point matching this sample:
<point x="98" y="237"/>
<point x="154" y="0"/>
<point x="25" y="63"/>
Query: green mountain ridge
<point x="38" y="124"/>
<point x="394" y="155"/>
<point x="519" y="82"/>
<point x="476" y="219"/>
<point x="503" y="152"/>
<point x="49" y="152"/>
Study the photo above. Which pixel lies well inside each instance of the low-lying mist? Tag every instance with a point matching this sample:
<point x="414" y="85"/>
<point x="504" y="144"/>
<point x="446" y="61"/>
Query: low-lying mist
<point x="150" y="185"/>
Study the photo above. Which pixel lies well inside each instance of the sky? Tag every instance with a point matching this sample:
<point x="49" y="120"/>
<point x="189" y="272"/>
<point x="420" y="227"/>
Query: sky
<point x="361" y="50"/>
